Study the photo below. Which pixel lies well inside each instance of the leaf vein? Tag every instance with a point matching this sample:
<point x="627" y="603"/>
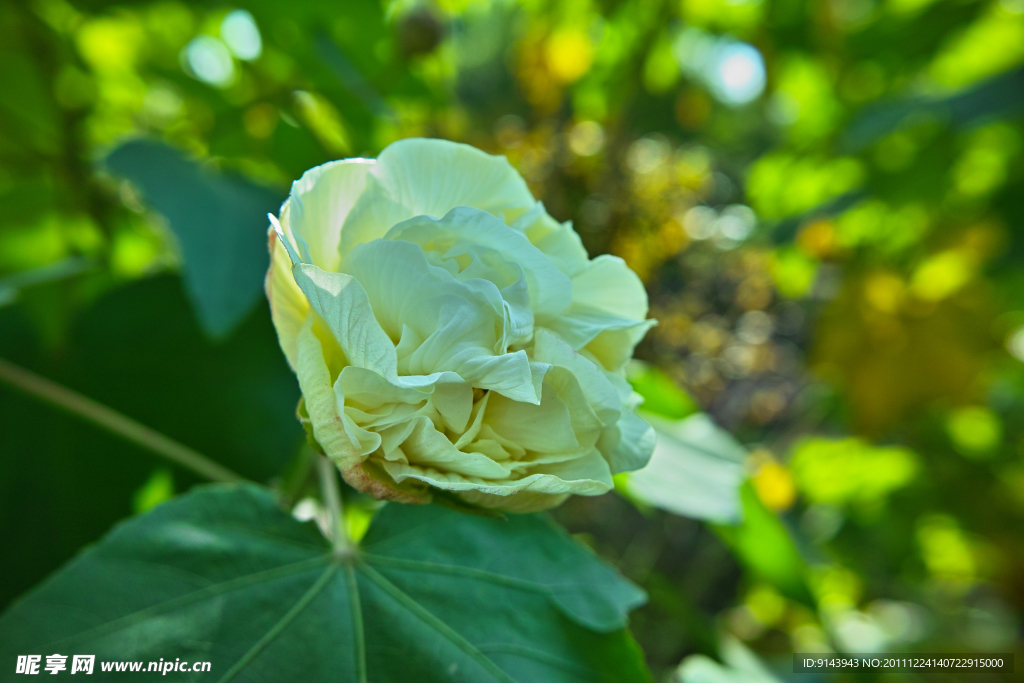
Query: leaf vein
<point x="358" y="628"/>
<point x="442" y="628"/>
<point x="195" y="596"/>
<point x="281" y="624"/>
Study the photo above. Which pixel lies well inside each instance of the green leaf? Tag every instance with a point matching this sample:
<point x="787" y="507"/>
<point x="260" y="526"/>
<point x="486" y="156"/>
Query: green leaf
<point x="997" y="97"/>
<point x="26" y="108"/>
<point x="661" y="395"/>
<point x="220" y="222"/>
<point x="139" y="351"/>
<point x="223" y="575"/>
<point x="765" y="547"/>
<point x="696" y="470"/>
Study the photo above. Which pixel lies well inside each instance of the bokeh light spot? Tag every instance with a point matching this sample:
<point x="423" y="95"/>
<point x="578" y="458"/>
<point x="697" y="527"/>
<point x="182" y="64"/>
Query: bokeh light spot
<point x="210" y="61"/>
<point x="242" y="36"/>
<point x="569" y="54"/>
<point x="739" y="75"/>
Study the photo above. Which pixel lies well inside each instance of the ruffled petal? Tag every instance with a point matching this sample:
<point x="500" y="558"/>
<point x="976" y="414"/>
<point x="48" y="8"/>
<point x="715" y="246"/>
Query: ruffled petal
<point x="629" y="445"/>
<point x="608" y="285"/>
<point x="288" y="305"/>
<point x="449" y="334"/>
<point x="543" y="428"/>
<point x="585" y="474"/>
<point x="320" y="403"/>
<point x="428" y="448"/>
<point x="319" y="203"/>
<point x="558" y="241"/>
<point x="442" y="323"/>
<point x="463" y="228"/>
<point x="341" y="302"/>
<point x="418" y="176"/>
<point x="607" y="315"/>
<point x="594" y="382"/>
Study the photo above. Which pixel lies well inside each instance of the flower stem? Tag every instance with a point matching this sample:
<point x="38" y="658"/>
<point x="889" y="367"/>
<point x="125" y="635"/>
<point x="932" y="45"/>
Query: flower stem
<point x="336" y="531"/>
<point x="119" y="424"/>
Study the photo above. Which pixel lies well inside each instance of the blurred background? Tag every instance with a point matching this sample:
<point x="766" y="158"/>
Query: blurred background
<point x="823" y="197"/>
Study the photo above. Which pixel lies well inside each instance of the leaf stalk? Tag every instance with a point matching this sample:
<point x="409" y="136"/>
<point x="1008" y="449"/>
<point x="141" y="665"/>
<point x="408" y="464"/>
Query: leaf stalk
<point x="336" y="531"/>
<point x="115" y="422"/>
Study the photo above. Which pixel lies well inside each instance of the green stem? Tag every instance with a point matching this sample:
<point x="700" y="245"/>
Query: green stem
<point x="115" y="422"/>
<point x="336" y="531"/>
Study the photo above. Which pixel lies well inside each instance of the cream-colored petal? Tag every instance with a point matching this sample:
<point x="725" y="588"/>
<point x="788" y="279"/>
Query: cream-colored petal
<point x="629" y="444"/>
<point x="366" y="390"/>
<point x="418" y="176"/>
<point x="369" y="389"/>
<point x="464" y="228"/>
<point x="392" y="439"/>
<point x="288" y="305"/>
<point x="319" y="203"/>
<point x="599" y="390"/>
<point x="510" y="375"/>
<point x="342" y="303"/>
<point x="444" y="324"/>
<point x="589" y="466"/>
<point x="426" y="447"/>
<point x="320" y="403"/>
<point x="513" y="293"/>
<point x="388" y="416"/>
<point x="545" y="428"/>
<point x="507" y="449"/>
<point x="557" y="240"/>
<point x="454" y="401"/>
<point x="615" y="337"/>
<point x="585" y="475"/>
<point x="613" y="348"/>
<point x="607" y="315"/>
<point x="608" y="285"/>
<point x="520" y="503"/>
<point x="585" y="423"/>
<point x="473" y="429"/>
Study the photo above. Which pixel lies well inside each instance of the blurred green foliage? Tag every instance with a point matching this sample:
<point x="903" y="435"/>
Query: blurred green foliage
<point x="824" y="198"/>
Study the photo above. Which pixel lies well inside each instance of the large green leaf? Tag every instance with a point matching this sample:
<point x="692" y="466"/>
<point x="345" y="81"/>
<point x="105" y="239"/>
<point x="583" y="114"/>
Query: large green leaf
<point x="223" y="575"/>
<point x="696" y="470"/>
<point x="220" y="222"/>
<point x="139" y="351"/>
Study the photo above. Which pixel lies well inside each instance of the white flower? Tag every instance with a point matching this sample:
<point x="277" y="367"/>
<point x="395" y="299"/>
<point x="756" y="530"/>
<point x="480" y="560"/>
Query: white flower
<point x="447" y="333"/>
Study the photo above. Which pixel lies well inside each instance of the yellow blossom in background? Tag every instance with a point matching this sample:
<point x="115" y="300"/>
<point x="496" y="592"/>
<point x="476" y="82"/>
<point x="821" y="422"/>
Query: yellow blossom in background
<point x="569" y="54"/>
<point x="772" y="481"/>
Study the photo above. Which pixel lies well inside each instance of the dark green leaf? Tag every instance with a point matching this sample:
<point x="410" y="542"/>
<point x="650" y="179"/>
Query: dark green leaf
<point x="220" y="222"/>
<point x="997" y="97"/>
<point x="223" y="575"/>
<point x="139" y="351"/>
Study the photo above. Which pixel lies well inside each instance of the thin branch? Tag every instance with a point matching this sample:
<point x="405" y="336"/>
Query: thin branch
<point x="336" y="531"/>
<point x="114" y="421"/>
